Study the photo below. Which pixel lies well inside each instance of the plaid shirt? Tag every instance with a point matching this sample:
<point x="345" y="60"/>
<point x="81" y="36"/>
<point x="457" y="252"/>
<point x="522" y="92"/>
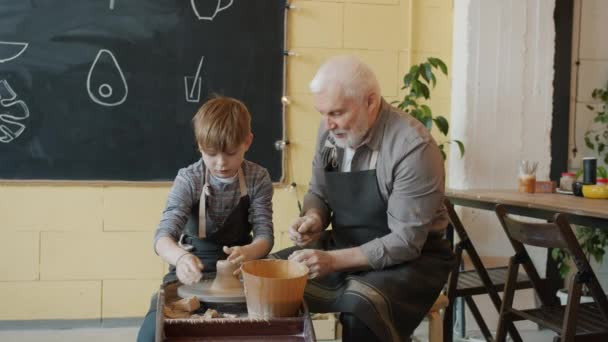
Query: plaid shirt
<point x="224" y="197"/>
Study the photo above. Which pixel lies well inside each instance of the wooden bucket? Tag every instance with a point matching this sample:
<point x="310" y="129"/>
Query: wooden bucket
<point x="274" y="288"/>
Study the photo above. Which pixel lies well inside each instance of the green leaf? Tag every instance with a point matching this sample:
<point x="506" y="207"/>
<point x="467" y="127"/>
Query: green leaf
<point x="442" y="66"/>
<point x="433" y="61"/>
<point x="428" y="73"/>
<point x="428" y="122"/>
<point x="556" y="254"/>
<point x="601" y="171"/>
<point x="589" y="143"/>
<point x="406" y="102"/>
<point x="425" y="90"/>
<point x="414" y="71"/>
<point x="442" y="124"/>
<point x="564" y="269"/>
<point x="426" y="111"/>
<point x="433" y="80"/>
<point x="600" y="147"/>
<point x="407" y="80"/>
<point x="460" y="147"/>
<point x="590" y="107"/>
<point x="443" y="154"/>
<point x="415" y="91"/>
<point x="417" y="114"/>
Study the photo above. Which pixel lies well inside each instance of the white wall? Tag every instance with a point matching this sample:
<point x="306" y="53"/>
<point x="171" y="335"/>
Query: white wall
<point x="501" y="107"/>
<point x="592" y="73"/>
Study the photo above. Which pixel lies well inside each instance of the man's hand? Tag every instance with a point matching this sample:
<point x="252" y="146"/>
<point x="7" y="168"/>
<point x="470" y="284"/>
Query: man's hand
<point x="305" y="230"/>
<point x="188" y="269"/>
<point x="319" y="262"/>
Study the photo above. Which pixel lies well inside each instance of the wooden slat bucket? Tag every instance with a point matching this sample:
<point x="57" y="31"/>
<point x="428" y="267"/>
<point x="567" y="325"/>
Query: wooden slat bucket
<point x="274" y="288"/>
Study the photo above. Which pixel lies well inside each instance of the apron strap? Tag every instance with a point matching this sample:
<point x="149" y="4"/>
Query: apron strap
<point x="202" y="206"/>
<point x="242" y="183"/>
<point x="372" y="162"/>
<point x="202" y="217"/>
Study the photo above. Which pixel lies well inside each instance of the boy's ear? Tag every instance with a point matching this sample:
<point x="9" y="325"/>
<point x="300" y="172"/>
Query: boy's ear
<point x="249" y="140"/>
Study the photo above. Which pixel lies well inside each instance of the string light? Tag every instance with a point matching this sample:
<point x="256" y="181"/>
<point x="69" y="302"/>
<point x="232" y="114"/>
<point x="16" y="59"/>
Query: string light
<point x="293" y="187"/>
<point x="280" y="145"/>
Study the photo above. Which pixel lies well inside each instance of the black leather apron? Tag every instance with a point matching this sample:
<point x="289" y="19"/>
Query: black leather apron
<point x="391" y="301"/>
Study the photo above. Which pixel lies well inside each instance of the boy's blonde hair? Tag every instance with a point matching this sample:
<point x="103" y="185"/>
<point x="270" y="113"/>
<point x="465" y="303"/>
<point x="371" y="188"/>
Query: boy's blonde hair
<point x="222" y="124"/>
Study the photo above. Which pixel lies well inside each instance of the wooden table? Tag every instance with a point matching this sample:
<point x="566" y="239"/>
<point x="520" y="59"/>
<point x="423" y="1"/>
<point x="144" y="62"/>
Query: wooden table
<point x="581" y="211"/>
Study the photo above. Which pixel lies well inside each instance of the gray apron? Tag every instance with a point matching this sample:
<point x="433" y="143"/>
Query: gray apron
<point x="391" y="301"/>
<point x="207" y="238"/>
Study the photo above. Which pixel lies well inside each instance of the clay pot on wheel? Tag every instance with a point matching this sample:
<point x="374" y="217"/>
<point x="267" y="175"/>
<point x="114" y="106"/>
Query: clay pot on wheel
<point x="225" y="280"/>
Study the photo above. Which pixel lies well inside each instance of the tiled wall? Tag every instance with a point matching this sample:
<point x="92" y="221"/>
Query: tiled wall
<point x="85" y="251"/>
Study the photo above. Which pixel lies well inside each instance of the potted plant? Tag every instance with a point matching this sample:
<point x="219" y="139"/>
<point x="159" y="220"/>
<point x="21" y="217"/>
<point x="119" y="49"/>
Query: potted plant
<point x="596" y="137"/>
<point x="593" y="242"/>
<point x="417" y="83"/>
<point x="601" y="173"/>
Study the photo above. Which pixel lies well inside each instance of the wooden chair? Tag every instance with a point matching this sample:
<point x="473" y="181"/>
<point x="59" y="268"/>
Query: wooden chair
<point x="573" y="321"/>
<point x="478" y="281"/>
<point x="435" y="318"/>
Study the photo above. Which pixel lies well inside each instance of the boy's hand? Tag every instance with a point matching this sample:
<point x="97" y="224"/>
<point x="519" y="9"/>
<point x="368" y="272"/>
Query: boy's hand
<point x="305" y="230"/>
<point x="238" y="255"/>
<point x="188" y="269"/>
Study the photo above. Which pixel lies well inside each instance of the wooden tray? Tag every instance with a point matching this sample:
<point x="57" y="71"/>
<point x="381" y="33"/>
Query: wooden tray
<point x="241" y="328"/>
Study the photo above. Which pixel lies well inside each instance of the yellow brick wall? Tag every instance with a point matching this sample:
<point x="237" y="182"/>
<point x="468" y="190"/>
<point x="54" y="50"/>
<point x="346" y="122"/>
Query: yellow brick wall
<point x="81" y="251"/>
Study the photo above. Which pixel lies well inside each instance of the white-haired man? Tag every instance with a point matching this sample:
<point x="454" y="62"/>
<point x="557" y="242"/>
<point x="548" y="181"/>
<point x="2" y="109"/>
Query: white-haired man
<point x="378" y="178"/>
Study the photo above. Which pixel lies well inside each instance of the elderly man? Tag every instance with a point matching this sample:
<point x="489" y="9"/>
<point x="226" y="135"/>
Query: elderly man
<point x="378" y="178"/>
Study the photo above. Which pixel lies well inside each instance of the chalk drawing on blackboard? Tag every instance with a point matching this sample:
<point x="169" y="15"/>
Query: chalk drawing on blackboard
<point x="208" y="9"/>
<point x="11" y="111"/>
<point x="11" y="50"/>
<point x="101" y="95"/>
<point x="111" y="4"/>
<point x="193" y="84"/>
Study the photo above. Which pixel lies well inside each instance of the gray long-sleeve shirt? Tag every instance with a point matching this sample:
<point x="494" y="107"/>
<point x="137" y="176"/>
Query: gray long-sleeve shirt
<point x="410" y="175"/>
<point x="186" y="191"/>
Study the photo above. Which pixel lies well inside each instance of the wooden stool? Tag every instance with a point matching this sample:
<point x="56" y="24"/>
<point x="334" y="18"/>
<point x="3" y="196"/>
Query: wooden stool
<point x="435" y="317"/>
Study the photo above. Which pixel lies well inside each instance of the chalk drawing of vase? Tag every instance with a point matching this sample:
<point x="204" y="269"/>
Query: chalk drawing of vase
<point x="11" y="50"/>
<point x="208" y="9"/>
<point x="100" y="91"/>
<point x="11" y="112"/>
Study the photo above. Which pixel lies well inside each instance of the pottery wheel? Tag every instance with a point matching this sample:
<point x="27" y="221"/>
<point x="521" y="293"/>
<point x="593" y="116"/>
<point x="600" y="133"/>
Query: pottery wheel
<point x="202" y="290"/>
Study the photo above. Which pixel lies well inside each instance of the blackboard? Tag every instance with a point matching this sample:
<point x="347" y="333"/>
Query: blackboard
<point x="104" y="90"/>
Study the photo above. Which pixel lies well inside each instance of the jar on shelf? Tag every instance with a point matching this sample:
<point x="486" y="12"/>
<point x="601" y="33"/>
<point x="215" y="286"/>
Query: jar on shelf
<point x="601" y="182"/>
<point x="565" y="182"/>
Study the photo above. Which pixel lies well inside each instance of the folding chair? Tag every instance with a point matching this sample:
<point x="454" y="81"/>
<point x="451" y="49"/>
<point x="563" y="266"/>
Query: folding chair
<point x="573" y="321"/>
<point x="475" y="282"/>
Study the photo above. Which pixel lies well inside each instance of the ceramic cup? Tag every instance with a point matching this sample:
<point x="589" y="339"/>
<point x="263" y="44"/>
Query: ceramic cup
<point x="577" y="189"/>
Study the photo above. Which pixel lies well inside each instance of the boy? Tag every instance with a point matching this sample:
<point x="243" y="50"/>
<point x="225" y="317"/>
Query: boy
<point x="216" y="203"/>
